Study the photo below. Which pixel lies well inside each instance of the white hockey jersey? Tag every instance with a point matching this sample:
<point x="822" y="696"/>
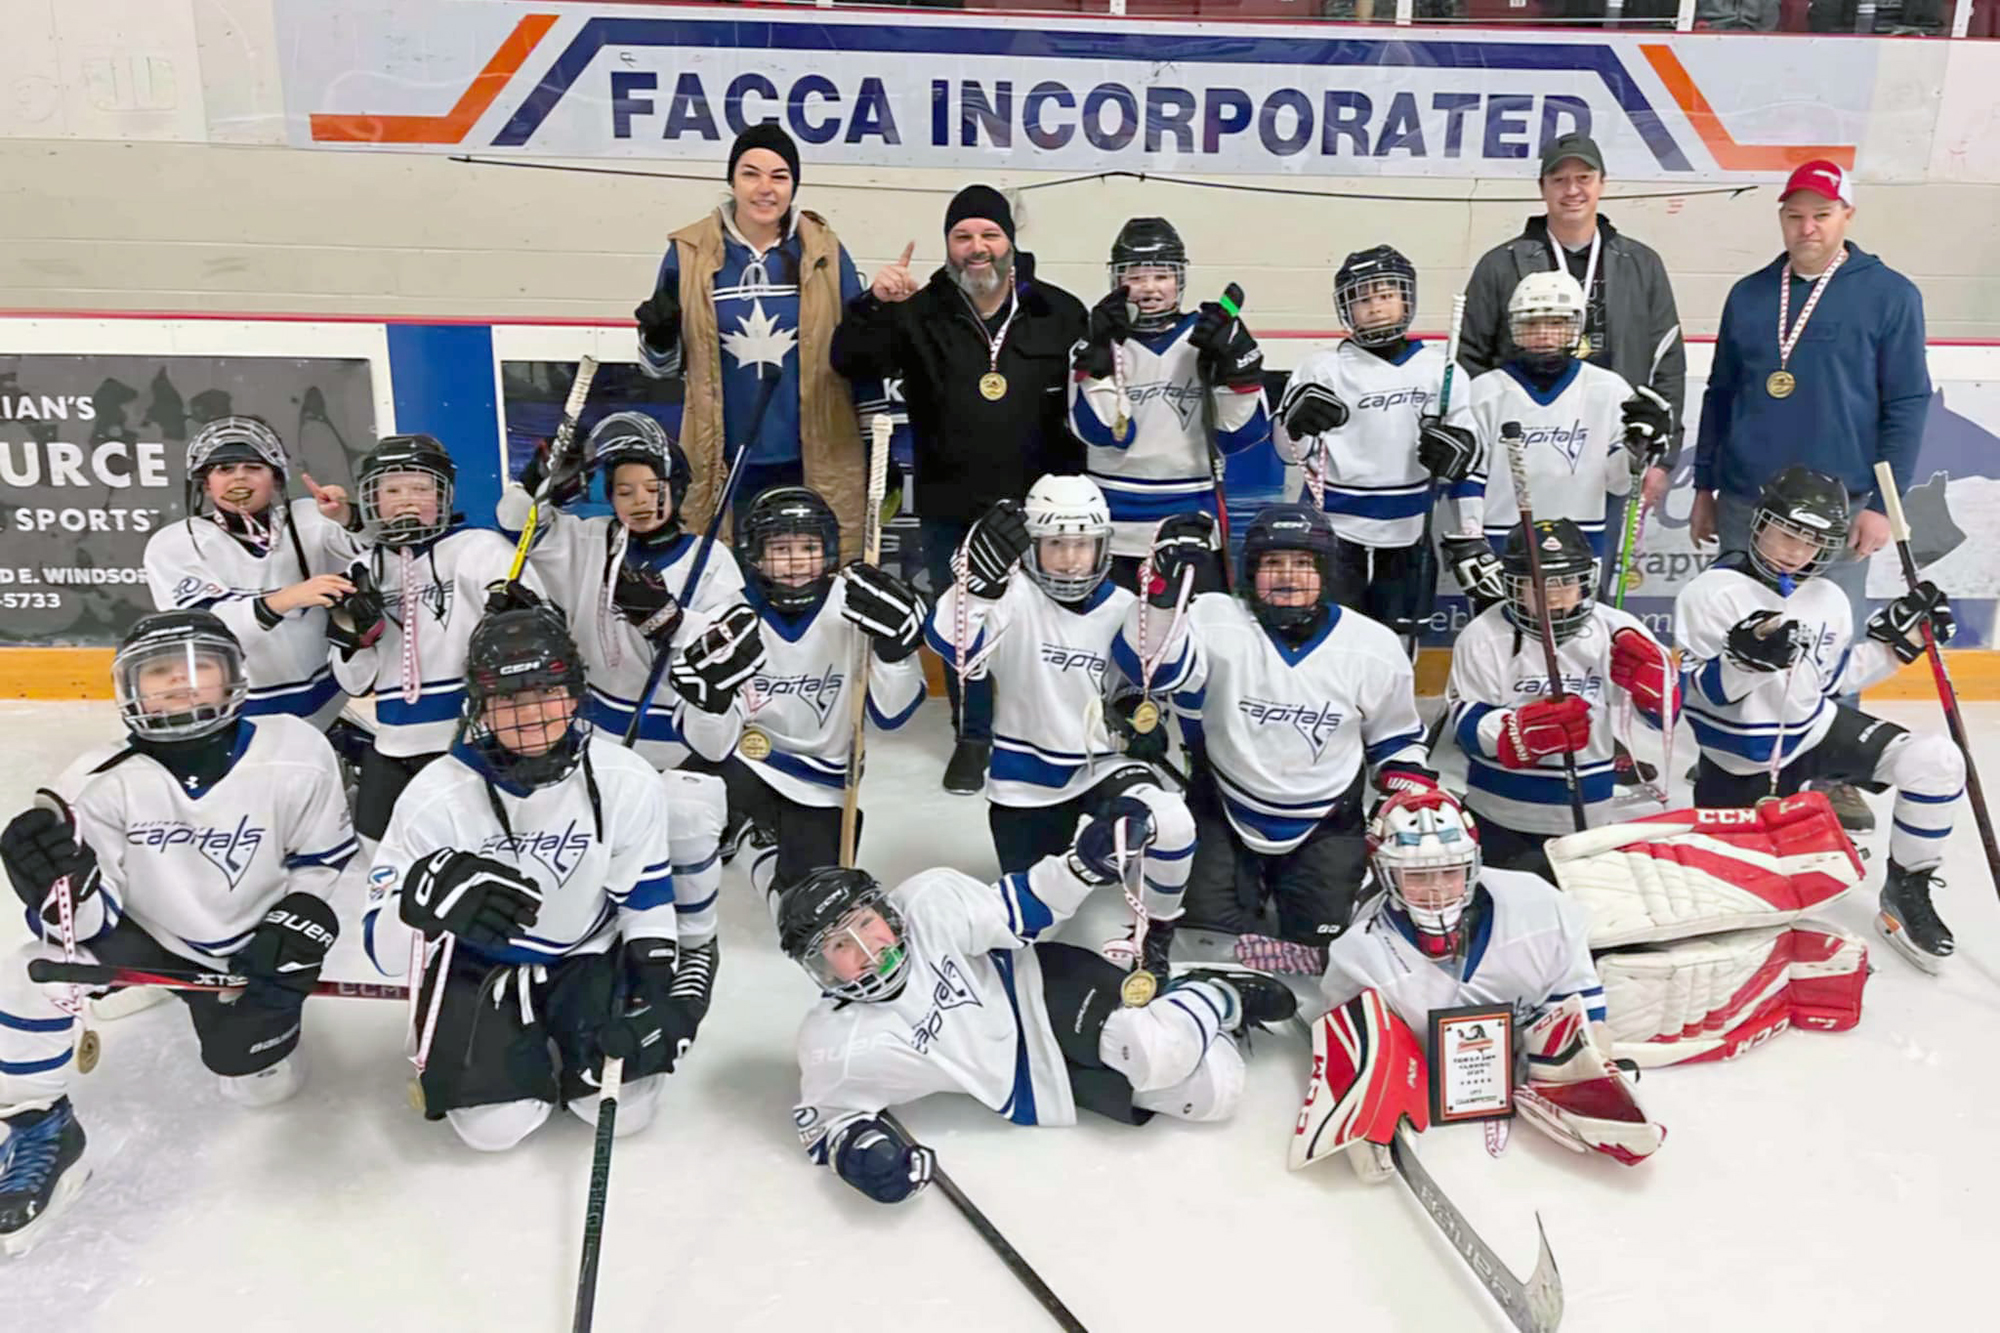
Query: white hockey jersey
<point x="1162" y="465"/>
<point x="574" y="557"/>
<point x="1737" y="714"/>
<point x="1575" y="445"/>
<point x="970" y="1017"/>
<point x="603" y="864"/>
<point x="1494" y="668"/>
<point x="1372" y="486"/>
<point x="1287" y="730"/>
<point x="1048" y="666"/>
<point x="451" y="577"/>
<point x="1526" y="946"/>
<point x="196" y="869"/>
<point x="195" y="565"/>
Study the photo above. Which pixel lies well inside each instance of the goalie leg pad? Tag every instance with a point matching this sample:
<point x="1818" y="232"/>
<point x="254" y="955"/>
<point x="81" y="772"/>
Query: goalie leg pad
<point x="1576" y="1096"/>
<point x="1368" y="1074"/>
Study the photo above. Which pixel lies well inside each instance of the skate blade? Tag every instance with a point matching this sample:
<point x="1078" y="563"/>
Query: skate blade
<point x="1892" y="930"/>
<point x="31" y="1235"/>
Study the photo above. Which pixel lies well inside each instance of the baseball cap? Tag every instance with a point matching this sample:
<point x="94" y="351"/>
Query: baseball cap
<point x="1579" y="146"/>
<point x="1823" y="178"/>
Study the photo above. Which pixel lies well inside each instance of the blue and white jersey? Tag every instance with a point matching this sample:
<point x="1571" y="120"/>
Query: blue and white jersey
<point x="1496" y="668"/>
<point x="196" y="867"/>
<point x="195" y="565"/>
<point x="1161" y="466"/>
<point x="1286" y="729"/>
<point x="1574" y="438"/>
<point x="1049" y="668"/>
<point x="1373" y="488"/>
<point x="1737" y="714"/>
<point x="603" y="863"/>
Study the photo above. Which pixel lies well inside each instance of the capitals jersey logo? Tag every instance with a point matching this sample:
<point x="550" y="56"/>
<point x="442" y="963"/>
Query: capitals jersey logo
<point x="229" y="850"/>
<point x="1569" y="441"/>
<point x="558" y="852"/>
<point x="1417" y="398"/>
<point x="1065" y="658"/>
<point x="435" y="597"/>
<point x="1590" y="685"/>
<point x="1184" y="399"/>
<point x="1315" y="722"/>
<point x="818" y="693"/>
<point x="948" y="991"/>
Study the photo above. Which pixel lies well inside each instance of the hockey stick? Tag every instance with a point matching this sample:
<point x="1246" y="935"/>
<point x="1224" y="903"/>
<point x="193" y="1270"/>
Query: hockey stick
<point x="1019" y="1267"/>
<point x="44" y="971"/>
<point x="1628" y="538"/>
<point x="579" y="394"/>
<point x="1218" y="466"/>
<point x="1535" y="1306"/>
<point x="1954" y="720"/>
<point x="1517" y="464"/>
<point x="608" y="1084"/>
<point x="864" y="651"/>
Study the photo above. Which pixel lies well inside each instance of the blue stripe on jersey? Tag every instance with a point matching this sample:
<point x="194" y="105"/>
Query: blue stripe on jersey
<point x="1916" y="832"/>
<point x="1140" y="486"/>
<point x="20" y="1024"/>
<point x="1480" y="909"/>
<point x="889" y="721"/>
<point x="1543" y="397"/>
<point x="1378" y="751"/>
<point x="1919" y="797"/>
<point x="805" y="769"/>
<point x="650" y="892"/>
<point x="1027" y="915"/>
<point x="612" y="716"/>
<point x="1091" y="429"/>
<point x="536" y="949"/>
<point x="1707" y="682"/>
<point x="1020" y="1107"/>
<point x="1540" y="786"/>
<point x="1129" y="508"/>
<point x="696" y="867"/>
<point x="441" y="701"/>
<point x="1472" y="488"/>
<point x="1383" y="502"/>
<point x="1230" y="782"/>
<point x="218" y="948"/>
<point x="1254" y="431"/>
<point x="1273" y="828"/>
<point x="689" y="909"/>
<point x="37" y="1066"/>
<point x="1010" y="765"/>
<point x="335" y="857"/>
<point x="1748" y="740"/>
<point x="1470" y="715"/>
<point x="297" y="700"/>
<point x="1834" y="682"/>
<point x="1159" y="853"/>
<point x="939" y="644"/>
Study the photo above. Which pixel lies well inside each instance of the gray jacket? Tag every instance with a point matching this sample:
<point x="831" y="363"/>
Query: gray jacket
<point x="1638" y="311"/>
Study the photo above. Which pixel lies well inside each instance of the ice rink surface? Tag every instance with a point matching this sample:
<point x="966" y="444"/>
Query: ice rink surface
<point x="1824" y="1182"/>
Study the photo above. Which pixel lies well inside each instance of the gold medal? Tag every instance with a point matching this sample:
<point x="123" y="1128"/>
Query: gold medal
<point x="1634" y="579"/>
<point x="1138" y="988"/>
<point x="416" y="1091"/>
<point x="1121" y="427"/>
<point x="993" y="386"/>
<point x="88" y="1049"/>
<point x="1781" y="383"/>
<point x="1583" y="348"/>
<point x="1145" y="717"/>
<point x="755" y="745"/>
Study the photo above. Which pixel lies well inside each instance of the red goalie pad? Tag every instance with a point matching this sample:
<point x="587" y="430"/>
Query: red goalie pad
<point x="1368" y="1073"/>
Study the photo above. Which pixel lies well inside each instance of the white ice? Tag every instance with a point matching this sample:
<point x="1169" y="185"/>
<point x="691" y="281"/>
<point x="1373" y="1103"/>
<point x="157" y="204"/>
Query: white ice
<point x="1824" y="1182"/>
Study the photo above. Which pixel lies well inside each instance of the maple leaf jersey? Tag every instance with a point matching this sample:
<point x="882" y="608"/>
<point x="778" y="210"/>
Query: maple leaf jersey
<point x="595" y="844"/>
<point x="1526" y="946"/>
<point x="1048" y="666"/>
<point x="1737" y="714"/>
<point x="575" y="558"/>
<point x="1372" y="486"/>
<point x="1496" y="667"/>
<point x="1574" y="445"/>
<point x="1162" y="465"/>
<point x="1286" y="729"/>
<point x="446" y="597"/>
<point x="195" y="565"/>
<point x="196" y="867"/>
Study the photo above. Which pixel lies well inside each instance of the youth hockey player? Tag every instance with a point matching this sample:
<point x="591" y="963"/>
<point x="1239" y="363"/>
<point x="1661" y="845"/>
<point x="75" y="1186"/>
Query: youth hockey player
<point x="1288" y="702"/>
<point x="204" y="838"/>
<point x="400" y="636"/>
<point x="1363" y="421"/>
<point x="1770" y="646"/>
<point x="1033" y="1030"/>
<point x="535" y="861"/>
<point x="1148" y="379"/>
<point x="268" y="566"/>
<point x="1510" y="723"/>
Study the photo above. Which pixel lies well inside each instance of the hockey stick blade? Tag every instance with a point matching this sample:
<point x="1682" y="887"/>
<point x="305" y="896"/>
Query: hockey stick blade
<point x="1532" y="1307"/>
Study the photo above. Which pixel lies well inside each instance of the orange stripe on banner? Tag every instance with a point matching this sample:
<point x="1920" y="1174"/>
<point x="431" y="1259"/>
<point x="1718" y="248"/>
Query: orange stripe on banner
<point x="1729" y="154"/>
<point x="453" y="126"/>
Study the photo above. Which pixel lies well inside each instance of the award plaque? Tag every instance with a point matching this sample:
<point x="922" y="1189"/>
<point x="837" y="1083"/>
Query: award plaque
<point x="1472" y="1063"/>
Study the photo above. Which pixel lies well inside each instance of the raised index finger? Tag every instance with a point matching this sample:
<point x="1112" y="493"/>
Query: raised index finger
<point x="312" y="485"/>
<point x="908" y="251"/>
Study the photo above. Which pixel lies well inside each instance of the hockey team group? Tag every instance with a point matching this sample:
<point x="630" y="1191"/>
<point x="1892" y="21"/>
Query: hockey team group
<point x="1232" y="747"/>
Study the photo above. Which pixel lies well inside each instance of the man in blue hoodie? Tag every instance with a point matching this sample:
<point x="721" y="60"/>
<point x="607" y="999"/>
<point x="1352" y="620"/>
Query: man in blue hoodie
<point x="1820" y="362"/>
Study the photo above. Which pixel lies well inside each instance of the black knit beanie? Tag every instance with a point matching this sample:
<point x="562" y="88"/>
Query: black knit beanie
<point x="768" y="136"/>
<point x="983" y="202"/>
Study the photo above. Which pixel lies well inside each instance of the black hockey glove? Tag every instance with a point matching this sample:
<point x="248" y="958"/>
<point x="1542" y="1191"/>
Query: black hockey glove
<point x="1649" y="423"/>
<point x="1110" y="324"/>
<point x="1447" y="452"/>
<point x="640" y="594"/>
<point x="1476" y="568"/>
<point x="283" y="958"/>
<point x="885" y="608"/>
<point x="1761" y="641"/>
<point x="994" y="546"/>
<point x="712" y="668"/>
<point x="1145" y="746"/>
<point x="659" y="317"/>
<point x="871" y="1156"/>
<point x="1311" y="409"/>
<point x="482" y="901"/>
<point x="510" y="595"/>
<point x="1181" y="542"/>
<point x="39" y="847"/>
<point x="356" y="620"/>
<point x="1229" y="355"/>
<point x="565" y="483"/>
<point x="1095" y="858"/>
<point x="1900" y="623"/>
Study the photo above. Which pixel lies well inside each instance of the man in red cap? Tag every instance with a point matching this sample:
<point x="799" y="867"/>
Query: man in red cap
<point x="1819" y="362"/>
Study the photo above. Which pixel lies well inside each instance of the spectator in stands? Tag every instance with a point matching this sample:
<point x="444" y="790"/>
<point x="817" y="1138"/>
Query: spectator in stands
<point x="1737" y="15"/>
<point x="983" y="352"/>
<point x="745" y="309"/>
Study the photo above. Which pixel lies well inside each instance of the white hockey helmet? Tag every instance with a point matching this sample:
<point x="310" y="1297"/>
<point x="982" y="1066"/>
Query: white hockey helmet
<point x="1545" y="318"/>
<point x="1424" y="847"/>
<point x="1061" y="507"/>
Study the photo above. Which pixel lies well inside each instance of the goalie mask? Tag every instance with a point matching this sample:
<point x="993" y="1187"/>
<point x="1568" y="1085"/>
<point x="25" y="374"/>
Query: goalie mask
<point x="1569" y="572"/>
<point x="635" y="438"/>
<point x="406" y="491"/>
<point x="1150" y="262"/>
<point x="1375" y="293"/>
<point x="523" y="686"/>
<point x="840" y="927"/>
<point x="1286" y="576"/>
<point x="1069" y="536"/>
<point x="1545" y="321"/>
<point x="1799" y="527"/>
<point x="178" y="675"/>
<point x="1424" y="849"/>
<point x="792" y="541"/>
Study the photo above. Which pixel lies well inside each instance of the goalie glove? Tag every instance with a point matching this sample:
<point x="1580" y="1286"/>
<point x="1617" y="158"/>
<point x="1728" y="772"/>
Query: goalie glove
<point x="1576" y="1096"/>
<point x="885" y="608"/>
<point x="1447" y="452"/>
<point x="639" y="592"/>
<point x="1761" y="641"/>
<point x="1542" y="728"/>
<point x="1477" y="569"/>
<point x="995" y="545"/>
<point x="1900" y="623"/>
<point x="1311" y="409"/>
<point x="710" y="671"/>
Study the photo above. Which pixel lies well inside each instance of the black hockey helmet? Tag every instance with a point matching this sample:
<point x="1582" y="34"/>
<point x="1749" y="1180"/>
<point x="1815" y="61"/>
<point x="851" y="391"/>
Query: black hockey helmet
<point x="178" y="675"/>
<point x="393" y="507"/>
<point x="1364" y="273"/>
<point x="1806" y="506"/>
<point x="636" y="437"/>
<point x="1566" y="561"/>
<point x="233" y="439"/>
<point x="1287" y="527"/>
<point x="784" y="511"/>
<point x="524" y="650"/>
<point x="821" y="910"/>
<point x="1151" y="243"/>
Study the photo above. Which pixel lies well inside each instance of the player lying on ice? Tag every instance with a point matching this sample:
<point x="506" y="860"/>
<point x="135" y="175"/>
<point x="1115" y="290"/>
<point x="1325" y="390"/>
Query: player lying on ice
<point x="944" y="984"/>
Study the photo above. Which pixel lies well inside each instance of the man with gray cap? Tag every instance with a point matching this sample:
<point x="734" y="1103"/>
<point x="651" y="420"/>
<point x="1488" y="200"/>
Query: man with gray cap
<point x="983" y="352"/>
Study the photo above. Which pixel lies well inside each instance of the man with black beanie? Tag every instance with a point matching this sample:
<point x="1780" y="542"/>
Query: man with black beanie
<point x="983" y="352"/>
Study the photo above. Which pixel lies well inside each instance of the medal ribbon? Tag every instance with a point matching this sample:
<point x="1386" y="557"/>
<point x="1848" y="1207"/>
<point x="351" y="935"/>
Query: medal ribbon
<point x="1589" y="269"/>
<point x="1787" y="341"/>
<point x="993" y="341"/>
<point x="413" y="679"/>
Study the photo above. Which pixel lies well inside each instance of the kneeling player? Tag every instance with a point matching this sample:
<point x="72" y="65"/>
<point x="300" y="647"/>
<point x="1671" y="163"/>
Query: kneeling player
<point x="940" y="985"/>
<point x="205" y="839"/>
<point x="534" y="860"/>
